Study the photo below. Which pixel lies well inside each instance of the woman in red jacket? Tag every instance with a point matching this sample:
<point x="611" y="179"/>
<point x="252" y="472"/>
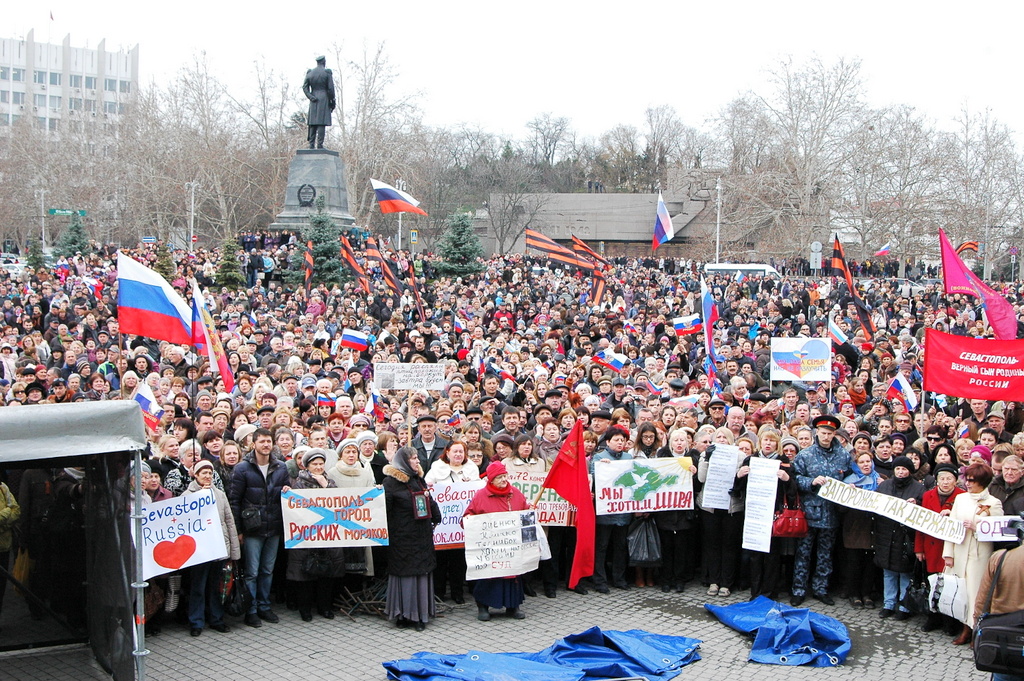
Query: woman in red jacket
<point x="928" y="548"/>
<point x="499" y="592"/>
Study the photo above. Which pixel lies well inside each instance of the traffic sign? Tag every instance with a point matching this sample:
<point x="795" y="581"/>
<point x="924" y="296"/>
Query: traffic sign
<point x="1014" y="250"/>
<point x="414" y="236"/>
<point x="194" y="238"/>
<point x="66" y="211"/>
<point x="149" y="239"/>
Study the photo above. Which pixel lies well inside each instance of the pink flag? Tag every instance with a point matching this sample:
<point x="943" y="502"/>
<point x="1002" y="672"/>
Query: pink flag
<point x="959" y="279"/>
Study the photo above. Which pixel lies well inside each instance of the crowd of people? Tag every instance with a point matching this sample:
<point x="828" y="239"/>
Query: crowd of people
<point x="517" y="342"/>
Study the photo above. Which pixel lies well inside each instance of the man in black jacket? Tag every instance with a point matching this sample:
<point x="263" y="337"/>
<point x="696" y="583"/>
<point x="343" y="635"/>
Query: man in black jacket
<point x="255" y="498"/>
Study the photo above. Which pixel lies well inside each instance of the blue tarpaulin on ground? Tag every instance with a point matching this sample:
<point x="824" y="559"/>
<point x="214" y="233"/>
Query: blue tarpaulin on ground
<point x="786" y="636"/>
<point x="591" y="654"/>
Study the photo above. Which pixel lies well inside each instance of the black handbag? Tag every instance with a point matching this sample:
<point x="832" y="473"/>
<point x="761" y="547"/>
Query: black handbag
<point x="916" y="598"/>
<point x="239" y="600"/>
<point x="318" y="563"/>
<point x="252" y="519"/>
<point x="999" y="639"/>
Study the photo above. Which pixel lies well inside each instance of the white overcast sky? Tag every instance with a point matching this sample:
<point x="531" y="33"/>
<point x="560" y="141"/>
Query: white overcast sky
<point x="499" y="64"/>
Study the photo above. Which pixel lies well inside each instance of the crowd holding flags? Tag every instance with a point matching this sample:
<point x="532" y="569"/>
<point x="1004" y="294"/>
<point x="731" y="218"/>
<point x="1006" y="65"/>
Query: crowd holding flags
<point x="374" y="254"/>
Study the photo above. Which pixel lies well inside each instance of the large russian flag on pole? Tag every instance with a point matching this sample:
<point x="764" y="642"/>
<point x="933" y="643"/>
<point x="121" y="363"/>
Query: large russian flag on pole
<point x="710" y="310"/>
<point x="151" y="411"/>
<point x="204" y="337"/>
<point x="663" y="230"/>
<point x="148" y="306"/>
<point x="393" y="200"/>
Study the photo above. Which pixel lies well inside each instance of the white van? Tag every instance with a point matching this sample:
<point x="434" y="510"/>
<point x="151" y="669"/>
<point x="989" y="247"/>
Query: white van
<point x="747" y="268"/>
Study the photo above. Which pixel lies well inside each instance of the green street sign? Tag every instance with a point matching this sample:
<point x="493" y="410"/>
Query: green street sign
<point x="66" y="211"/>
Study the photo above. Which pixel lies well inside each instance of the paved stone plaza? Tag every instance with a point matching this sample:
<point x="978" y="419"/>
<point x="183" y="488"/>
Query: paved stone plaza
<point x="343" y="649"/>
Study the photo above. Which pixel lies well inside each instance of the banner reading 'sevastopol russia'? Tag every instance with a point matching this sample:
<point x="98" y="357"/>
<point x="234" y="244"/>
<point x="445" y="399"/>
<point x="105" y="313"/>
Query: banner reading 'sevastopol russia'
<point x="973" y="368"/>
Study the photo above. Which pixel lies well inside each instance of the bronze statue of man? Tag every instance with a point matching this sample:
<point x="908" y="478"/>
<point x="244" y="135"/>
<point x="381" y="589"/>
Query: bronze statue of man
<point x="319" y="90"/>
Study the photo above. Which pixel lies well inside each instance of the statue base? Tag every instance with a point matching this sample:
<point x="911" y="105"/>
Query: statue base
<point x="313" y="173"/>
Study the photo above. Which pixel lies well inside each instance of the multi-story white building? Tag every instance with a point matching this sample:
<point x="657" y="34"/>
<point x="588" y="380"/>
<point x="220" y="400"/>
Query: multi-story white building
<point x="60" y="87"/>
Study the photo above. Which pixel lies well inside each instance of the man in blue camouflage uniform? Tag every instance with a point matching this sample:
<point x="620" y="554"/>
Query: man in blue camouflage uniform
<point x="826" y="458"/>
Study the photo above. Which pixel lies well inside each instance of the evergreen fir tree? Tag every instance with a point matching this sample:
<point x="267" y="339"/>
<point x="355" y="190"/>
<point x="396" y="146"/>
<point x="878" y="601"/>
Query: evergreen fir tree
<point x="35" y="255"/>
<point x="326" y="250"/>
<point x="229" y="272"/>
<point x="73" y="239"/>
<point x="460" y="248"/>
<point x="164" y="264"/>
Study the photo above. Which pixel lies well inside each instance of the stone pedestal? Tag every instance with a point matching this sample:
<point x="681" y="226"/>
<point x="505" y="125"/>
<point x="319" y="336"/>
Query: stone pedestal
<point x="313" y="173"/>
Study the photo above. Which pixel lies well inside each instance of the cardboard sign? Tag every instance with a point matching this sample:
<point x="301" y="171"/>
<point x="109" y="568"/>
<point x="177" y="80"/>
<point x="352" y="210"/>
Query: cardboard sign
<point x="395" y="376"/>
<point x="453" y="498"/>
<point x="801" y="359"/>
<point x="643" y="485"/>
<point x="331" y="517"/>
<point x="551" y="509"/>
<point x="501" y="544"/>
<point x="996" y="528"/>
<point x="180" y="532"/>
<point x="911" y="515"/>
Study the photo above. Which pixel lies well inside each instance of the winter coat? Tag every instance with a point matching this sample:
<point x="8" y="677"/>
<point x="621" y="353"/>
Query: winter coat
<point x="1011" y="496"/>
<point x="894" y="542"/>
<point x="444" y="473"/>
<point x="297" y="556"/>
<point x="931" y="546"/>
<point x="811" y="462"/>
<point x="227" y="520"/>
<point x="427" y="461"/>
<point x="410" y="541"/>
<point x="970" y="557"/>
<point x="249" y="489"/>
<point x="737" y="503"/>
<point x="9" y="514"/>
<point x="485" y="501"/>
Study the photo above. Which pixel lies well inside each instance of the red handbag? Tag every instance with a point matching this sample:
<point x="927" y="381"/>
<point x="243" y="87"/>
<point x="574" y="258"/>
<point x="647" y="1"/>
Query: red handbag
<point x="790" y="522"/>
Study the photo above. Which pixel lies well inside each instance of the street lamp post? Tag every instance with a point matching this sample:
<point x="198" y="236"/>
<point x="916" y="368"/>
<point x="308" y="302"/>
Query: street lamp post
<point x="41" y="195"/>
<point x="718" y="220"/>
<point x="401" y="186"/>
<point x="191" y="187"/>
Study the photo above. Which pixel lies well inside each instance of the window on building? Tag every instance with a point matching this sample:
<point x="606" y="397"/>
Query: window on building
<point x="39" y="77"/>
<point x="90" y="82"/>
<point x="126" y="86"/>
<point x="5" y="120"/>
<point x="110" y="107"/>
<point x="39" y="100"/>
<point x="18" y="75"/>
<point x="75" y="103"/>
<point x="55" y="78"/>
<point x="75" y="81"/>
<point x="18" y="98"/>
<point x="41" y="122"/>
<point x="5" y="96"/>
<point x="90" y="105"/>
<point x="54" y="102"/>
<point x="110" y="84"/>
<point x="15" y="118"/>
<point x="52" y="123"/>
<point x="5" y="72"/>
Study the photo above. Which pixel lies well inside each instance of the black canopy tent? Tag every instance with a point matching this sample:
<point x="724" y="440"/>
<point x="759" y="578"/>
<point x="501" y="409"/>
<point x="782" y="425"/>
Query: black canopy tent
<point x="102" y="439"/>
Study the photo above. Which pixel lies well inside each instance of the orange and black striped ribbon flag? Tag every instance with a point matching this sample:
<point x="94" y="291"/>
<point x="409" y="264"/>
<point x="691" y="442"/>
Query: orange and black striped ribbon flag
<point x="840" y="268"/>
<point x="373" y="253"/>
<point x="416" y="292"/>
<point x="349" y="256"/>
<point x="307" y="263"/>
<point x="586" y="251"/>
<point x="597" y="288"/>
<point x="554" y="251"/>
<point x="967" y="246"/>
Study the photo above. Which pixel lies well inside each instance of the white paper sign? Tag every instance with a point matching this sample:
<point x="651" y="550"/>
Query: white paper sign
<point x="180" y="532"/>
<point x="333" y="517"/>
<point x="643" y="485"/>
<point x="453" y="498"/>
<point x="762" y="488"/>
<point x="395" y="376"/>
<point x="501" y="544"/>
<point x="721" y="476"/>
<point x="996" y="528"/>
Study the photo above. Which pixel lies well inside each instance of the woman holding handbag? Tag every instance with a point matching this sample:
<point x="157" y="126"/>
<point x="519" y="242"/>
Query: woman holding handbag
<point x="969" y="558"/>
<point x="766" y="568"/>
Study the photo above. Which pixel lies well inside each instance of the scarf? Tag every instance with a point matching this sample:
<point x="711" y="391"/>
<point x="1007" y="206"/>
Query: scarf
<point x="858" y="397"/>
<point x="499" y="492"/>
<point x="353" y="470"/>
<point x="862" y="481"/>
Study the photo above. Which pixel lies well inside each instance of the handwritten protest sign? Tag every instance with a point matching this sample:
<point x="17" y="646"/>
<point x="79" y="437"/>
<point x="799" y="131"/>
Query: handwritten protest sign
<point x="453" y="498"/>
<point x="180" y="532"/>
<point x="643" y="485"/>
<point x="329" y="518"/>
<point x="911" y="515"/>
<point x="762" y="488"/>
<point x="394" y="376"/>
<point x="721" y="476"/>
<point x="996" y="528"/>
<point x="551" y="509"/>
<point x="501" y="544"/>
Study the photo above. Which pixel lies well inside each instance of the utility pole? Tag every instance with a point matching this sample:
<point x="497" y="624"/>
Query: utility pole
<point x="400" y="185"/>
<point x="41" y="194"/>
<point x="718" y="221"/>
<point x="191" y="187"/>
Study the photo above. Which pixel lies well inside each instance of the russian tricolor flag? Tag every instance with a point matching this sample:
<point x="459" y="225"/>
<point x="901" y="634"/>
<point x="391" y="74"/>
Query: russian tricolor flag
<point x="630" y="327"/>
<point x="393" y="200"/>
<point x="373" y="404"/>
<point x="710" y="310"/>
<point x="148" y="306"/>
<point x="95" y="285"/>
<point x="611" y="360"/>
<point x="205" y="337"/>
<point x="663" y="230"/>
<point x="884" y="250"/>
<point x="459" y="325"/>
<point x="151" y="411"/>
<point x="655" y="390"/>
<point x="687" y="325"/>
<point x="686" y="402"/>
<point x="325" y="400"/>
<point x="835" y="333"/>
<point x="899" y="389"/>
<point x="357" y="340"/>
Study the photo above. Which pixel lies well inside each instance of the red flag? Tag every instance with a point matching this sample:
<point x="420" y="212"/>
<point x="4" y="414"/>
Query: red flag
<point x="568" y="477"/>
<point x="958" y="278"/>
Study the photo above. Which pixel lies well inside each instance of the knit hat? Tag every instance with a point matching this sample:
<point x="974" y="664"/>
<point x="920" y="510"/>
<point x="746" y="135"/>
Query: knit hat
<point x="347" y="442"/>
<point x="946" y="468"/>
<point x="905" y="462"/>
<point x="984" y="452"/>
<point x="200" y="465"/>
<point x="789" y="440"/>
<point x="495" y="469"/>
<point x="364" y="436"/>
<point x="312" y="455"/>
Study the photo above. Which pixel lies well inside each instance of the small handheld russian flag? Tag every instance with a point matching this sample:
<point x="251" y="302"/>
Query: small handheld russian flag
<point x="356" y="340"/>
<point x="686" y="325"/>
<point x="835" y="333"/>
<point x="325" y="400"/>
<point x="899" y="389"/>
<point x="151" y="411"/>
<point x="884" y="250"/>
